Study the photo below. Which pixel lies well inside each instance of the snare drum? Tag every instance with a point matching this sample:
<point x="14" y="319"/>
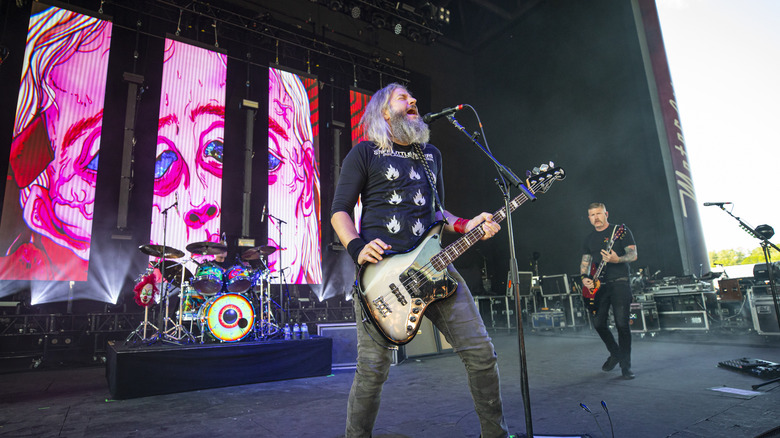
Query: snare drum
<point x="208" y="279"/>
<point x="227" y="317"/>
<point x="239" y="279"/>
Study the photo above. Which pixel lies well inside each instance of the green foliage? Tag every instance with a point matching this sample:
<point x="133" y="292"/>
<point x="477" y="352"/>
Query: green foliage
<point x="734" y="257"/>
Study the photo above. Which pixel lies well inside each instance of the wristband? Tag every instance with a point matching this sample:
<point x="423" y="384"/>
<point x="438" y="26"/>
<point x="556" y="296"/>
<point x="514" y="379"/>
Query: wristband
<point x="460" y="225"/>
<point x="354" y="247"/>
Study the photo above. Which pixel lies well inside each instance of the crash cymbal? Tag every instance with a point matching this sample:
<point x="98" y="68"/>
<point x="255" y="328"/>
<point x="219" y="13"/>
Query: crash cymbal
<point x="256" y="252"/>
<point x="173" y="271"/>
<point x="157" y="251"/>
<point x="207" y="248"/>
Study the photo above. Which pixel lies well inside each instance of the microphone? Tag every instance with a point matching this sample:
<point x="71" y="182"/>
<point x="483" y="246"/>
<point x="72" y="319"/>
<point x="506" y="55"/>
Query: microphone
<point x="428" y="118"/>
<point x="176" y="204"/>
<point x="719" y="204"/>
<point x="585" y="408"/>
<point x="265" y="213"/>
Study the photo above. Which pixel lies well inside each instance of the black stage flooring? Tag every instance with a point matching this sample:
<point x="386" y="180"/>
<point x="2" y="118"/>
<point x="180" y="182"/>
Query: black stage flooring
<point x="680" y="391"/>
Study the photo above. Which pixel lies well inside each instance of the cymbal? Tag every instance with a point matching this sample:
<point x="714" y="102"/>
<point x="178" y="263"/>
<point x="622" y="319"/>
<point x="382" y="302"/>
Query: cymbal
<point x="256" y="252"/>
<point x="207" y="248"/>
<point x="173" y="272"/>
<point x="157" y="251"/>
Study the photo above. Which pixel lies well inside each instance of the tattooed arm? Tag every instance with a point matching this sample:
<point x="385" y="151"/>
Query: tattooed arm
<point x="585" y="270"/>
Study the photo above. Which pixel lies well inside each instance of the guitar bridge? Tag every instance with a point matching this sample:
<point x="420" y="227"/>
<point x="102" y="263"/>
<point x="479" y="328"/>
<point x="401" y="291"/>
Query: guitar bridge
<point x="381" y="306"/>
<point x="398" y="295"/>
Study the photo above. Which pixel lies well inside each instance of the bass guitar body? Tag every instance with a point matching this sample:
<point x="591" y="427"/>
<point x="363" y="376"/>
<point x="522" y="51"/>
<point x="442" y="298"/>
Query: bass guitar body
<point x="396" y="291"/>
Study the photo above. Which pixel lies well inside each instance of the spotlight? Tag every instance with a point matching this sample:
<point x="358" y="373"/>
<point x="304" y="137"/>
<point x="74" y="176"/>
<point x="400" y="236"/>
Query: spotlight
<point x="397" y="27"/>
<point x="443" y="15"/>
<point x="378" y="21"/>
<point x="355" y="12"/>
<point x="336" y="5"/>
<point x="414" y="34"/>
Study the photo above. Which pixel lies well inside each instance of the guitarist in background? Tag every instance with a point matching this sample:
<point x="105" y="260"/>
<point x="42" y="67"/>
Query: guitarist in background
<point x="399" y="204"/>
<point x="615" y="289"/>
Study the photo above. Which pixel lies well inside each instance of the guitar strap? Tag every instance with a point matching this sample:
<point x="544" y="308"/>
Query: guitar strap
<point x="429" y="176"/>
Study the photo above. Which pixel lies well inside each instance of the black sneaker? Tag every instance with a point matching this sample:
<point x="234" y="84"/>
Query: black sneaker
<point x="610" y="364"/>
<point x="628" y="374"/>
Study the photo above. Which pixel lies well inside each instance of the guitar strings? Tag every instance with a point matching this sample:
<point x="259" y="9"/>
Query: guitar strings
<point x="428" y="268"/>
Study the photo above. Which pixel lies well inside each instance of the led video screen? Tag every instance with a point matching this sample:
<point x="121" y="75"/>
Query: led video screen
<point x="46" y="224"/>
<point x="294" y="222"/>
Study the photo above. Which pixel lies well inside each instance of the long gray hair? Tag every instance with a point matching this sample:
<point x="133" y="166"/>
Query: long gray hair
<point x="373" y="122"/>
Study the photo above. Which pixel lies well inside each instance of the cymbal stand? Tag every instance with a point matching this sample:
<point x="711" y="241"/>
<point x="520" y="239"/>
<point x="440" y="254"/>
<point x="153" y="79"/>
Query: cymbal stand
<point x="162" y="331"/>
<point x="266" y="326"/>
<point x="279" y="222"/>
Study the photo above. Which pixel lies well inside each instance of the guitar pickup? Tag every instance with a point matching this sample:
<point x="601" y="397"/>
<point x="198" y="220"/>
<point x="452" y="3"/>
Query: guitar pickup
<point x="398" y="295"/>
<point x="381" y="306"/>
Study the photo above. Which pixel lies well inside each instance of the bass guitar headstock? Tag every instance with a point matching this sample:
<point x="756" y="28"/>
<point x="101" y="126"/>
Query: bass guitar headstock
<point x="539" y="179"/>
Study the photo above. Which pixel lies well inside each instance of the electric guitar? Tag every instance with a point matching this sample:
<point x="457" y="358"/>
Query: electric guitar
<point x="396" y="291"/>
<point x="595" y="272"/>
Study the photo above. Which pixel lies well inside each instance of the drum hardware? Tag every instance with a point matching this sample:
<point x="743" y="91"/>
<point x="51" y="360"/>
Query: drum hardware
<point x="207" y="248"/>
<point x="161" y="251"/>
<point x="177" y="331"/>
<point x="258" y="252"/>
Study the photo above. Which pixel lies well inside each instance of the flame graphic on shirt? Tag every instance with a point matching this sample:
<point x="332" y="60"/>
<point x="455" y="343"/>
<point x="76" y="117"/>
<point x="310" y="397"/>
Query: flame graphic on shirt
<point x="413" y="175"/>
<point x="417" y="229"/>
<point x="419" y="199"/>
<point x="395" y="198"/>
<point x="392" y="173"/>
<point x="393" y="226"/>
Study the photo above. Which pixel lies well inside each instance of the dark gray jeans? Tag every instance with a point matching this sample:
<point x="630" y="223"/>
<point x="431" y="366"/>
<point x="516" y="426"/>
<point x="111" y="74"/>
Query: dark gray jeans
<point x="458" y="319"/>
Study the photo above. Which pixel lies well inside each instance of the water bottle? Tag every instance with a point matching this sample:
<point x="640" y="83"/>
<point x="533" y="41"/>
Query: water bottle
<point x="296" y="331"/>
<point x="304" y="331"/>
<point x="287" y="332"/>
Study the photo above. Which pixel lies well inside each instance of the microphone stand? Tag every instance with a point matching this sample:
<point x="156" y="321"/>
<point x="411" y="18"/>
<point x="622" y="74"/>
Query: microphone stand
<point x="508" y="177"/>
<point x="284" y="305"/>
<point x="765" y="245"/>
<point x="163" y="317"/>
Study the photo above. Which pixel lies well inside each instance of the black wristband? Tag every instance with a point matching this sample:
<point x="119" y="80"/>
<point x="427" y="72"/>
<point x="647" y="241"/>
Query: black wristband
<point x="354" y="247"/>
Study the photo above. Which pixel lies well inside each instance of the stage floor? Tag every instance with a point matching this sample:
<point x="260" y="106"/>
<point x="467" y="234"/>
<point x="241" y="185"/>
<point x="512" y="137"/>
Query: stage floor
<point x="673" y="395"/>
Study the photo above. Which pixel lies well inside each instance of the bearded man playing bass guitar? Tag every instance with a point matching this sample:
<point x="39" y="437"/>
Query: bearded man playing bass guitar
<point x="395" y="173"/>
<point x="612" y="288"/>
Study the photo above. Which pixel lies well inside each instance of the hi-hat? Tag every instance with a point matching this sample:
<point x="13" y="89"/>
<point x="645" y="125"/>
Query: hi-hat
<point x="207" y="248"/>
<point x="256" y="252"/>
<point x="157" y="251"/>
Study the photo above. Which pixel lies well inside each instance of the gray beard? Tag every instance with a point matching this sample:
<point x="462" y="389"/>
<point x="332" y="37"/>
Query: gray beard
<point x="408" y="131"/>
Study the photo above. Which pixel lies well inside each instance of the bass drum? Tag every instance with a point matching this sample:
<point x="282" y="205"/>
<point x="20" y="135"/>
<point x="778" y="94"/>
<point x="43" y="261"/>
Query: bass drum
<point x="227" y="317"/>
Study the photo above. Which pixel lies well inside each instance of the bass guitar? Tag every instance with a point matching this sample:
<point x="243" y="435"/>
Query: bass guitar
<point x="595" y="272"/>
<point x="395" y="292"/>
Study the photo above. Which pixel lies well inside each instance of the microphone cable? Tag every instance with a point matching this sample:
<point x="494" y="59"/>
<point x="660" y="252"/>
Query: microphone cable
<point x="585" y="408"/>
<point x="604" y="405"/>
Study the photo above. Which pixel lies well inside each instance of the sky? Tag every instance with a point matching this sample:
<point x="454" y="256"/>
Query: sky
<point x="724" y="58"/>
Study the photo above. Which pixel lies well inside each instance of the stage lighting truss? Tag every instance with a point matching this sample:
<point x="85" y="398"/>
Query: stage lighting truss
<point x="417" y="23"/>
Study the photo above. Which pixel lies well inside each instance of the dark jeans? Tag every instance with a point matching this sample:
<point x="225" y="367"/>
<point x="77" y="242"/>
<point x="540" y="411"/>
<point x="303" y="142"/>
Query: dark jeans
<point x="618" y="296"/>
<point x="458" y="319"/>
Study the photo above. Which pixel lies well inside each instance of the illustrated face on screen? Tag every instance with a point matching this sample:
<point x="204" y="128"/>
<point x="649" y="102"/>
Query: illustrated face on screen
<point x="190" y="142"/>
<point x="64" y="212"/>
<point x="293" y="179"/>
<point x="57" y="132"/>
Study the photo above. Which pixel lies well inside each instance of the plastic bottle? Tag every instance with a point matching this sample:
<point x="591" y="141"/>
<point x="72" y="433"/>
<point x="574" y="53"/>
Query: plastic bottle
<point x="304" y="331"/>
<point x="287" y="332"/>
<point x="296" y="331"/>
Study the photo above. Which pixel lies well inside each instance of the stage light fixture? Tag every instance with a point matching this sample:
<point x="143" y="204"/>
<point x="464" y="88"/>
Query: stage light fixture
<point x="378" y="21"/>
<point x="398" y="27"/>
<point x="355" y="12"/>
<point x="414" y="34"/>
<point x="443" y="15"/>
<point x="336" y="5"/>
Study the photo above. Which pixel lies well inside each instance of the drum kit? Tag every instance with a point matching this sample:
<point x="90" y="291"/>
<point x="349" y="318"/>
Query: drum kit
<point x="215" y="304"/>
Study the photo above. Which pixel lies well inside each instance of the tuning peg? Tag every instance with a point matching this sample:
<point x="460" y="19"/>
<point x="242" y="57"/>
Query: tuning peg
<point x="528" y="174"/>
<point x="544" y="168"/>
<point x="536" y="171"/>
<point x="552" y="164"/>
